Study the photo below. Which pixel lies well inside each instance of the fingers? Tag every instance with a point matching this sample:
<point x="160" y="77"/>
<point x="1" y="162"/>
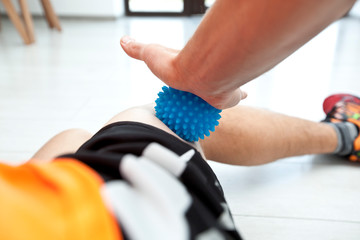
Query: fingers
<point x="233" y="99"/>
<point x="159" y="59"/>
<point x="140" y="50"/>
<point x="243" y="94"/>
<point x="132" y="48"/>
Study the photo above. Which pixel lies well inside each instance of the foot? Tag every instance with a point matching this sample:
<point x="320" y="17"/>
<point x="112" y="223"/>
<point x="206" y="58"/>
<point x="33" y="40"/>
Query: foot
<point x="345" y="108"/>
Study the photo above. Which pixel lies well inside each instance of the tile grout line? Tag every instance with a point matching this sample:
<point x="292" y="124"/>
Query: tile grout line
<point x="297" y="218"/>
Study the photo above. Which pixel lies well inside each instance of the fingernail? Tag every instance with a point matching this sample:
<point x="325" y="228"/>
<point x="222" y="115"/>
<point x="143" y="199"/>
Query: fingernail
<point x="126" y="40"/>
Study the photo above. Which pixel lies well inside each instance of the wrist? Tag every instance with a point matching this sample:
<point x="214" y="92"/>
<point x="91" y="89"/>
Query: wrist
<point x="185" y="75"/>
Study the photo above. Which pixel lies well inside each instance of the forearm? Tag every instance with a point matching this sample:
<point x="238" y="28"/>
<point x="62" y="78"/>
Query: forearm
<point x="239" y="40"/>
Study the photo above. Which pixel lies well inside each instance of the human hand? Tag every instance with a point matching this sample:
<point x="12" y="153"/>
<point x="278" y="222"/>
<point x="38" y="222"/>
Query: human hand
<point x="163" y="63"/>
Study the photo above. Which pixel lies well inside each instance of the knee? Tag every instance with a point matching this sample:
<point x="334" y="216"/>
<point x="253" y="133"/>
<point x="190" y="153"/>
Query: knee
<point x="141" y="110"/>
<point x="145" y="113"/>
<point x="77" y="133"/>
<point x="67" y="141"/>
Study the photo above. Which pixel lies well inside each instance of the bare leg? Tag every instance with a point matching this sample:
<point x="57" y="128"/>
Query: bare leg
<point x="65" y="142"/>
<point x="70" y="140"/>
<point x="245" y="136"/>
<point x="146" y="114"/>
<point x="250" y="136"/>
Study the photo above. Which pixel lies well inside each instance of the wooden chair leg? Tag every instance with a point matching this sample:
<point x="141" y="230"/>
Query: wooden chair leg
<point x="51" y="17"/>
<point x="27" y="19"/>
<point x="48" y="19"/>
<point x="14" y="17"/>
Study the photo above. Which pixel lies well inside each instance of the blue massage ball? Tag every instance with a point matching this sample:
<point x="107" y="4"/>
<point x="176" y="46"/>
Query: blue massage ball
<point x="186" y="114"/>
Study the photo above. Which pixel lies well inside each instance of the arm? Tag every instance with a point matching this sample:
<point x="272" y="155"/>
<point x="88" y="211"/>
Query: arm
<point x="237" y="41"/>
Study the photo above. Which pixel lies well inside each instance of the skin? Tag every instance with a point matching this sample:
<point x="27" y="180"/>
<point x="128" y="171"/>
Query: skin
<point x="262" y="136"/>
<point x="237" y="41"/>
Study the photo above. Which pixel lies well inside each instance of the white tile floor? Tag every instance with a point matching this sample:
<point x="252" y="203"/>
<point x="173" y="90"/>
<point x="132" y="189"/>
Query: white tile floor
<point x="80" y="78"/>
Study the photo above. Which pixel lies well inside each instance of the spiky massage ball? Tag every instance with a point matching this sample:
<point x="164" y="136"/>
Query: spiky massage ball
<point x="186" y="114"/>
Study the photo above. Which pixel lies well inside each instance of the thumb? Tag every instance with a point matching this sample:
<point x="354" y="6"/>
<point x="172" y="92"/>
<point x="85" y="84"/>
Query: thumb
<point x="132" y="48"/>
<point x="234" y="98"/>
<point x="226" y="100"/>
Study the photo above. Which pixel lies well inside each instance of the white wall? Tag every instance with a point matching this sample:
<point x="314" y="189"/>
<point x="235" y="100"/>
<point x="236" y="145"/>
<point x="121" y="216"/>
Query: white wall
<point x="97" y="8"/>
<point x="356" y="9"/>
<point x="79" y="8"/>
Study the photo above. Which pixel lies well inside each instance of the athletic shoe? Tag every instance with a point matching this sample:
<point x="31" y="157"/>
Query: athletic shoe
<point x="345" y="108"/>
<point x="330" y="101"/>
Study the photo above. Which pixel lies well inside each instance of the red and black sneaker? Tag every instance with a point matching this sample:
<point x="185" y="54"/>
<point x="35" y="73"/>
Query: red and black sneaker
<point x="345" y="108"/>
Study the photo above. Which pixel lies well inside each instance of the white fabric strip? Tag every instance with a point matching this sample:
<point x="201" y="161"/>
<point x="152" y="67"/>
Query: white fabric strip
<point x="153" y="203"/>
<point x="168" y="159"/>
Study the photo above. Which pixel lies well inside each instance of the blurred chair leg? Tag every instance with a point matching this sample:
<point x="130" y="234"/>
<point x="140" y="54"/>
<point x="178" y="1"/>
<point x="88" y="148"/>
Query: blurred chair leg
<point x="27" y="19"/>
<point x="14" y="17"/>
<point x="50" y="15"/>
<point x="48" y="19"/>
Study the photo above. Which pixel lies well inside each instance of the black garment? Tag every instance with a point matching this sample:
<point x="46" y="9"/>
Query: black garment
<point x="147" y="169"/>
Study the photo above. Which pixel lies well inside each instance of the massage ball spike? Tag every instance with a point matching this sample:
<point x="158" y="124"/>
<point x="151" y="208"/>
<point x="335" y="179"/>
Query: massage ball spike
<point x="186" y="114"/>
